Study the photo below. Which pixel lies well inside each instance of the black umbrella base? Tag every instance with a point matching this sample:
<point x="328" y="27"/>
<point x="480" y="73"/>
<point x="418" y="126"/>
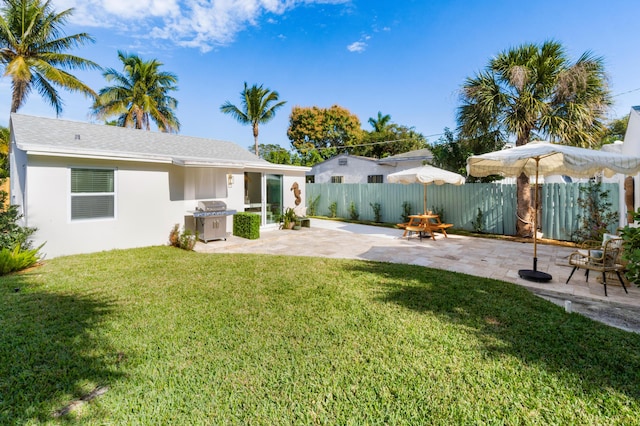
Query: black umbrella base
<point x="531" y="275"/>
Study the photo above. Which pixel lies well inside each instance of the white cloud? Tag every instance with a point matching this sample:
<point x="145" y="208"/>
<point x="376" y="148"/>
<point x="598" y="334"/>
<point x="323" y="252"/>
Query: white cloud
<point x="358" y="46"/>
<point x="194" y="23"/>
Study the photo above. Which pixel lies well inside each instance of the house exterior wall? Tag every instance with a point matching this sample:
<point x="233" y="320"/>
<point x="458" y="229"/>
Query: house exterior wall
<point x="356" y="170"/>
<point x="288" y="195"/>
<point x="631" y="146"/>
<point x="149" y="199"/>
<point x="144" y="209"/>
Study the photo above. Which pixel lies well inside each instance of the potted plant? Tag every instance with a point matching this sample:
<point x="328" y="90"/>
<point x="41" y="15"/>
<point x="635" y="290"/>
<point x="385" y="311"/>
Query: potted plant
<point x="288" y="218"/>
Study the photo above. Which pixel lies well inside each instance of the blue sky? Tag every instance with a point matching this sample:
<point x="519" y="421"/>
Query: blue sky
<point x="405" y="58"/>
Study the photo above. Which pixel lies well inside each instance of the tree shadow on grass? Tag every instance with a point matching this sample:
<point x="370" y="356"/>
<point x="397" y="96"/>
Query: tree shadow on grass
<point x="530" y="328"/>
<point x="50" y="352"/>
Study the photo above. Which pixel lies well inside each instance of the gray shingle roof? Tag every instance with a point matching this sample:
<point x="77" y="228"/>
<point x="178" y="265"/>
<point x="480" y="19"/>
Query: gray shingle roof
<point x="48" y="135"/>
<point x="418" y="154"/>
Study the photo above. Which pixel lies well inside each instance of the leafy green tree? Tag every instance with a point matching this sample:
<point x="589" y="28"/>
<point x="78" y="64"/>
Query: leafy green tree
<point x="33" y="52"/>
<point x="392" y="140"/>
<point x="259" y="106"/>
<point x="323" y="131"/>
<point x="139" y="95"/>
<point x="615" y="130"/>
<point x="534" y="91"/>
<point x="450" y="152"/>
<point x="274" y="154"/>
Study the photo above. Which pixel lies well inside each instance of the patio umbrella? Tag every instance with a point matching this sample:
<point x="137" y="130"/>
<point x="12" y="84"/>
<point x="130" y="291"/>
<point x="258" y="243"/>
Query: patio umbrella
<point x="426" y="175"/>
<point x="546" y="159"/>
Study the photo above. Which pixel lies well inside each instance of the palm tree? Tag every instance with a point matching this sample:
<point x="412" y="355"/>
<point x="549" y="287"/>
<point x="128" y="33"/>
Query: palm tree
<point x="4" y="152"/>
<point x="258" y="107"/>
<point x="381" y="124"/>
<point x="534" y="91"/>
<point x="32" y="51"/>
<point x="140" y="95"/>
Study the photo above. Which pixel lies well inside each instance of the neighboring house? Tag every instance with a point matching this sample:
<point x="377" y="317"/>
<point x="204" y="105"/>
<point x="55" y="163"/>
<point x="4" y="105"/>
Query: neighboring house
<point x="90" y="187"/>
<point x="631" y="146"/>
<point x="345" y="168"/>
<point x="408" y="160"/>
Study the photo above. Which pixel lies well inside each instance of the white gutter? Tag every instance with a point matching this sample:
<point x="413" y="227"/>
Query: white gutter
<point x="162" y="160"/>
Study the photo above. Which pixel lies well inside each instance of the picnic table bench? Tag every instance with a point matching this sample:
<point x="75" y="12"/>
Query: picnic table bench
<point x="425" y="224"/>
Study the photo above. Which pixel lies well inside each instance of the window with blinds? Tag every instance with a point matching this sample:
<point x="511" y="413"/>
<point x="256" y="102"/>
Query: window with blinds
<point x="92" y="193"/>
<point x="374" y="179"/>
<point x="336" y="179"/>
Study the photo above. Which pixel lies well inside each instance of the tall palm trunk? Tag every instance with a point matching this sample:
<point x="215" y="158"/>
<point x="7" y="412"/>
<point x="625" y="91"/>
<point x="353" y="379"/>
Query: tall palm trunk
<point x="524" y="211"/>
<point x="18" y="94"/>
<point x="255" y="137"/>
<point x="524" y="223"/>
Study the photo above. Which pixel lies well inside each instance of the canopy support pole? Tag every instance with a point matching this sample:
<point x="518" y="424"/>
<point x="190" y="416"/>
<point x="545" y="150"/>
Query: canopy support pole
<point x="528" y="274"/>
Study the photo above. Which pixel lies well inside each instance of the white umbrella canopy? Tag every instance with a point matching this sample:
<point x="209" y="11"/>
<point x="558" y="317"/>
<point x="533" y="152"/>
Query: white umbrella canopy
<point x="546" y="159"/>
<point x="426" y="175"/>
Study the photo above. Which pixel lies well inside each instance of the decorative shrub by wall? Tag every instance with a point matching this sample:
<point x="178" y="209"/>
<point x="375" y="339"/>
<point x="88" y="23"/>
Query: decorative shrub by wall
<point x="246" y="225"/>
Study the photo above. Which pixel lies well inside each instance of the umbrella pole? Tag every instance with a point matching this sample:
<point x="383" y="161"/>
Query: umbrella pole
<point x="535" y="221"/>
<point x="528" y="274"/>
<point x="424" y="201"/>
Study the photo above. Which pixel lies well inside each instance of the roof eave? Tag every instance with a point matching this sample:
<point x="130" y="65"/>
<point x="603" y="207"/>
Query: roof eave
<point x="163" y="160"/>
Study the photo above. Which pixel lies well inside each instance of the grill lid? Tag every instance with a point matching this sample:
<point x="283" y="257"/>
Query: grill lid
<point x="211" y="206"/>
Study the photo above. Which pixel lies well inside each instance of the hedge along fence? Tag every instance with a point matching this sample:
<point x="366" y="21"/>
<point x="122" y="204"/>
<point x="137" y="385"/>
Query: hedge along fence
<point x="558" y="214"/>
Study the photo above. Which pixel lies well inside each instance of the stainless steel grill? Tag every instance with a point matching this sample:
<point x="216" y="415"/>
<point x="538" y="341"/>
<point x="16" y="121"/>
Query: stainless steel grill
<point x="211" y="220"/>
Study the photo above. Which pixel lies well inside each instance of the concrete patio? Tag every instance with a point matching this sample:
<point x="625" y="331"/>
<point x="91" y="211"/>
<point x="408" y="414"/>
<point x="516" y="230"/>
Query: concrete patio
<point x="483" y="257"/>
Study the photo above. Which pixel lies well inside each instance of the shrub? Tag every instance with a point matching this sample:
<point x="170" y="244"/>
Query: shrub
<point x="406" y="211"/>
<point x="478" y="222"/>
<point x="631" y="249"/>
<point x="15" y="248"/>
<point x="17" y="259"/>
<point x="597" y="217"/>
<point x="333" y="209"/>
<point x="185" y="240"/>
<point x="11" y="233"/>
<point x="377" y="214"/>
<point x="353" y="211"/>
<point x="246" y="225"/>
<point x="312" y="208"/>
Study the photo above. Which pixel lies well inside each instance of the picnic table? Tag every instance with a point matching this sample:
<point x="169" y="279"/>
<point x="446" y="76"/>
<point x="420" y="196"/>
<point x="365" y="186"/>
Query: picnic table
<point x="425" y="225"/>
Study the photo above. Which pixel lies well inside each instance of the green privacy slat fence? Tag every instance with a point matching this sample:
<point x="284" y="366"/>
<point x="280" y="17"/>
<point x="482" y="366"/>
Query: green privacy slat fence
<point x="459" y="205"/>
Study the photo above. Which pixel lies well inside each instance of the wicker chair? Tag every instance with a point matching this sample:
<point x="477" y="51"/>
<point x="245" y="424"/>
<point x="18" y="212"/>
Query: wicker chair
<point x="603" y="259"/>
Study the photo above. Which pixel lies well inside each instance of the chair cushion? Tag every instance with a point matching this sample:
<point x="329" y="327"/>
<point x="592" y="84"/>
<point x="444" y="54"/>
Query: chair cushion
<point x="594" y="253"/>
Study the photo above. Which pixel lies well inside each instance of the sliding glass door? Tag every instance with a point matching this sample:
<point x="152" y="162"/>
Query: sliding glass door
<point x="274" y="198"/>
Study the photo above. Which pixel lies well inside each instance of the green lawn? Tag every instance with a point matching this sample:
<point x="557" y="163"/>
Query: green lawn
<point x="186" y="338"/>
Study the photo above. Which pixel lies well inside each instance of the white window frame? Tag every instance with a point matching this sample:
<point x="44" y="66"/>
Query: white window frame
<point x="72" y="195"/>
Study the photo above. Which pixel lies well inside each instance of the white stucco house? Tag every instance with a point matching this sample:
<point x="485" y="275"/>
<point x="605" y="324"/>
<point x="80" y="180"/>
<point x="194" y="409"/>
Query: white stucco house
<point x="631" y="146"/>
<point x="90" y="187"/>
<point x="345" y="168"/>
